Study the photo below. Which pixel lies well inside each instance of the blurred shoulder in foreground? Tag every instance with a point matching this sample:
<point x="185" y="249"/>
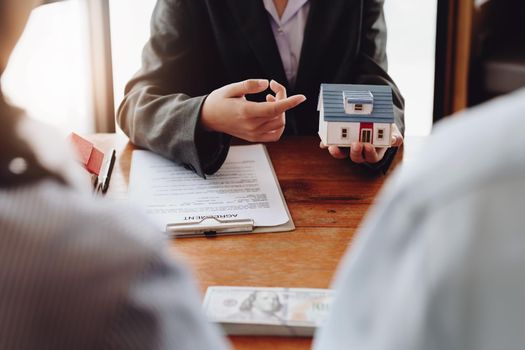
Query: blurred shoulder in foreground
<point x="82" y="273"/>
<point x="438" y="263"/>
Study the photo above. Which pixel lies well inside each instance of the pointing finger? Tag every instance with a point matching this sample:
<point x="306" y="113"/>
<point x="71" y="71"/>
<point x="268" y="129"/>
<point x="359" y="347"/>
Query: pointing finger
<point x="250" y="86"/>
<point x="272" y="109"/>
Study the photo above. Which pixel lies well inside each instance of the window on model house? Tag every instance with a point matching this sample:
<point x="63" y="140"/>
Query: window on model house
<point x="380" y="134"/>
<point x="344" y="133"/>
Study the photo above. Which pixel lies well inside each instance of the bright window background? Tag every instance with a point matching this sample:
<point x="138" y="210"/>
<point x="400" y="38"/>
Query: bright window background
<point x="130" y="29"/>
<point x="411" y="54"/>
<point x="49" y="71"/>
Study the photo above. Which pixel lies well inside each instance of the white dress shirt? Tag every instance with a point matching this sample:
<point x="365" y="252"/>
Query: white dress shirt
<point x="289" y="33"/>
<point x="440" y="261"/>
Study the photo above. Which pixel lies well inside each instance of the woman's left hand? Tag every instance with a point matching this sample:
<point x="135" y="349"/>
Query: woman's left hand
<point x="364" y="152"/>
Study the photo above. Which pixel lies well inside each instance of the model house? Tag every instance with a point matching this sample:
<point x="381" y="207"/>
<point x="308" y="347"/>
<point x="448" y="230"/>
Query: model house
<point x="349" y="113"/>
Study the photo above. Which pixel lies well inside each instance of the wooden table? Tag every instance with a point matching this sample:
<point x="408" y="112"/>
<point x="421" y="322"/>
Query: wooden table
<point x="327" y="199"/>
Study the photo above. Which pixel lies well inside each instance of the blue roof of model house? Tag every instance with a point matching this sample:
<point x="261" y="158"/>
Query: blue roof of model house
<point x="332" y="97"/>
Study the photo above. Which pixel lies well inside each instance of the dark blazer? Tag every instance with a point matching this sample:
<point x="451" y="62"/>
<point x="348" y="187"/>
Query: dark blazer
<point x="197" y="46"/>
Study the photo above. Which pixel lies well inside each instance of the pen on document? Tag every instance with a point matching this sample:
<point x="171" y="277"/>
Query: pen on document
<point x="103" y="179"/>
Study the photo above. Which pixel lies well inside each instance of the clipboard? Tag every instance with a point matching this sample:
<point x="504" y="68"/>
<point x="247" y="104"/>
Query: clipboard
<point x="210" y="226"/>
<point x="156" y="187"/>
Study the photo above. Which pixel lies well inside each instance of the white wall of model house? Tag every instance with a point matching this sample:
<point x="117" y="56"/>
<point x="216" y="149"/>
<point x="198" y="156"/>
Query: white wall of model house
<point x="333" y="133"/>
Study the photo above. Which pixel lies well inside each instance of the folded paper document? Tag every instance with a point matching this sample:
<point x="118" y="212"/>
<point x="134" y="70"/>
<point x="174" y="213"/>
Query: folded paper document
<point x="243" y="196"/>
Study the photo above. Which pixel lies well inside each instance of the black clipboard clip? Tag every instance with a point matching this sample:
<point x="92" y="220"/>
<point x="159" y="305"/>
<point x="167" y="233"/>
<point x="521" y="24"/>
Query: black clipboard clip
<point x="209" y="226"/>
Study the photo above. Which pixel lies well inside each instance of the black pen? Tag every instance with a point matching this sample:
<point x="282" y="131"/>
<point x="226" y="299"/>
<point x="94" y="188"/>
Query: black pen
<point x="105" y="173"/>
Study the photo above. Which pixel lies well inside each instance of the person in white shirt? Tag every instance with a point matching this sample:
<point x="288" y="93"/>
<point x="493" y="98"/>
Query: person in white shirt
<point x="440" y="261"/>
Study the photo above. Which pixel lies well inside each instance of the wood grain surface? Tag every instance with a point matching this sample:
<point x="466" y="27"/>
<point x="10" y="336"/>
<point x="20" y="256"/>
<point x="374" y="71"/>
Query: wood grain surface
<point x="327" y="198"/>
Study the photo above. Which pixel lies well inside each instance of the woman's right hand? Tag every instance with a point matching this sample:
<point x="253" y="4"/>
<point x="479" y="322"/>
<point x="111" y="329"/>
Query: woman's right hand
<point x="228" y="111"/>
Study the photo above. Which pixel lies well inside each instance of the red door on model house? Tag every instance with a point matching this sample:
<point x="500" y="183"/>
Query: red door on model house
<point x="366" y="132"/>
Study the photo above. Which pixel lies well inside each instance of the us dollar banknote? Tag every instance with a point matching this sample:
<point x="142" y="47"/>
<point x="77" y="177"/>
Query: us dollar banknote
<point x="267" y="311"/>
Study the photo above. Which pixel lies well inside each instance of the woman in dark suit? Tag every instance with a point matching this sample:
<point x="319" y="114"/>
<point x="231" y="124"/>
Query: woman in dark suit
<point x="207" y="61"/>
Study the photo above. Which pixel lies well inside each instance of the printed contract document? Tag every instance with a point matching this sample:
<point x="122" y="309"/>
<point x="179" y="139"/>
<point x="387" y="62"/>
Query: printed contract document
<point x="244" y="188"/>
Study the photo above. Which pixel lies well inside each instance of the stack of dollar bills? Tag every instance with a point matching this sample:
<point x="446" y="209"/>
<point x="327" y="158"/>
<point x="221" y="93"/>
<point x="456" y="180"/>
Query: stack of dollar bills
<point x="267" y="311"/>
